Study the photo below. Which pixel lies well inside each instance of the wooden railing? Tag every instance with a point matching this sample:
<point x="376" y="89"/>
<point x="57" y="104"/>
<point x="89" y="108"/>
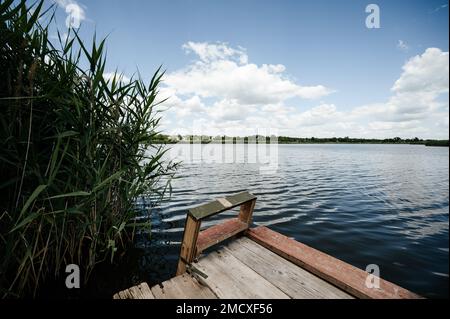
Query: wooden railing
<point x="194" y="241"/>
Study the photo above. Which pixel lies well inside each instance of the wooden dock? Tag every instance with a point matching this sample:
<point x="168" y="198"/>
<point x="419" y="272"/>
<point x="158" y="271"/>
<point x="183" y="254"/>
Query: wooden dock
<point x="257" y="264"/>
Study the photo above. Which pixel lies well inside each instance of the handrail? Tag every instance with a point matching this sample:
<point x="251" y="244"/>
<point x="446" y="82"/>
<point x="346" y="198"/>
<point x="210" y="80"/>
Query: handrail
<point x="194" y="241"/>
<point x="220" y="205"/>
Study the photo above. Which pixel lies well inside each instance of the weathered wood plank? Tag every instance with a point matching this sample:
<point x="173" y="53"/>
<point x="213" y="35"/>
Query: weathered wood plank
<point x="333" y="270"/>
<point x="215" y="234"/>
<point x="188" y="246"/>
<point x="133" y="293"/>
<point x="288" y="277"/>
<point x="116" y="295"/>
<point x="141" y="291"/>
<point x="182" y="287"/>
<point x="230" y="278"/>
<point x="145" y="291"/>
<point x="246" y="211"/>
<point x="240" y="198"/>
<point x="218" y="206"/>
<point x="122" y="294"/>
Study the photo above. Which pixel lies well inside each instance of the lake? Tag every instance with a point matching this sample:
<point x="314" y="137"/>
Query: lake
<point x="365" y="204"/>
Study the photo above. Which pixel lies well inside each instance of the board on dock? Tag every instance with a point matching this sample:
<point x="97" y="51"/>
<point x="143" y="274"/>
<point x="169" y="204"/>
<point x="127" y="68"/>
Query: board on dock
<point x="243" y="269"/>
<point x="259" y="263"/>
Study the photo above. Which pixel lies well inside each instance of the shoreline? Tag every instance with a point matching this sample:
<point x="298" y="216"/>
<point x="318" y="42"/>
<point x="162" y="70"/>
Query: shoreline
<point x="296" y="143"/>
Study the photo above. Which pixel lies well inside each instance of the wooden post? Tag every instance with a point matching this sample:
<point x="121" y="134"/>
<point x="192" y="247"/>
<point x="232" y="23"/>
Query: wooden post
<point x="194" y="241"/>
<point x="246" y="212"/>
<point x="188" y="246"/>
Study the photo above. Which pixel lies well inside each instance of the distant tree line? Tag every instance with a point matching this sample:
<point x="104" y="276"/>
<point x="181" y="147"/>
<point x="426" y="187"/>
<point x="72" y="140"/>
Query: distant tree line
<point x="166" y="139"/>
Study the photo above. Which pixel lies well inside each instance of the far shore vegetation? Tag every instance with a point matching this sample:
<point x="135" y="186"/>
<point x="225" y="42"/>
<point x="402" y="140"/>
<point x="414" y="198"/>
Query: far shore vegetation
<point x="205" y="139"/>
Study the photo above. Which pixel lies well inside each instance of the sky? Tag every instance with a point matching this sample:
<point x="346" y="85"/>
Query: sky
<point x="295" y="68"/>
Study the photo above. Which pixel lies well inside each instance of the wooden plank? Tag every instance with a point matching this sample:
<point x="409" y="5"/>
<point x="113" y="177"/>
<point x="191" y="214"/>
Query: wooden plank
<point x="215" y="234"/>
<point x="206" y="210"/>
<point x="288" y="277"/>
<point x="230" y="278"/>
<point x="188" y="246"/>
<point x="335" y="271"/>
<point x="144" y="291"/>
<point x="240" y="198"/>
<point x="133" y="293"/>
<point x="218" y="206"/>
<point x="141" y="291"/>
<point x="182" y="287"/>
<point x="116" y="296"/>
<point x="125" y="294"/>
<point x="246" y="212"/>
<point x="121" y="295"/>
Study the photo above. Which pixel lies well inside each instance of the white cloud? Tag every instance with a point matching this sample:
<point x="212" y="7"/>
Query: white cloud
<point x="389" y="126"/>
<point x="424" y="78"/>
<point x="402" y="45"/>
<point x="224" y="73"/>
<point x="318" y="115"/>
<point x="229" y="110"/>
<point x="212" y="52"/>
<point x="193" y="105"/>
<point x="226" y="94"/>
<point x="109" y="76"/>
<point x="278" y="68"/>
<point x="439" y="8"/>
<point x="425" y="73"/>
<point x="443" y="121"/>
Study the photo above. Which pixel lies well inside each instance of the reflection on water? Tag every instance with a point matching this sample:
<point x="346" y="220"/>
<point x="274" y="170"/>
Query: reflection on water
<point x="365" y="204"/>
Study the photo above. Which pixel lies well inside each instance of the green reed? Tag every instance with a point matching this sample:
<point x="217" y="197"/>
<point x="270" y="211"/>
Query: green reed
<point x="74" y="152"/>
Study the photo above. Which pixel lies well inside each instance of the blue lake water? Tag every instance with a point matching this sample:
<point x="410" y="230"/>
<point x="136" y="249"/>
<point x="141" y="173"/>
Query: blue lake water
<point x="365" y="204"/>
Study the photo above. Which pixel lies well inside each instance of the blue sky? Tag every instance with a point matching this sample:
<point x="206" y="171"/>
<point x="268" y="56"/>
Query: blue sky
<point x="297" y="67"/>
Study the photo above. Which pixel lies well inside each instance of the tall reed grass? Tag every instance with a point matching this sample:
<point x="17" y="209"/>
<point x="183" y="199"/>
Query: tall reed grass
<point x="74" y="152"/>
